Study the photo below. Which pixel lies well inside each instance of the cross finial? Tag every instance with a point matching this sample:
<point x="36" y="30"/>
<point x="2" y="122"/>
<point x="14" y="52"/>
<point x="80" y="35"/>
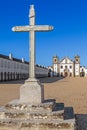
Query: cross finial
<point x="31" y="6"/>
<point x="31" y="11"/>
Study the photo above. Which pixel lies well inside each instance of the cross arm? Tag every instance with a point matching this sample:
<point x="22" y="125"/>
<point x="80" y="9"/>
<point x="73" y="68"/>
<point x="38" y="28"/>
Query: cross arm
<point x="32" y="28"/>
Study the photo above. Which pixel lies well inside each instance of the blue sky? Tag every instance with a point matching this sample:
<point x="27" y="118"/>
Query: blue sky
<point x="69" y="37"/>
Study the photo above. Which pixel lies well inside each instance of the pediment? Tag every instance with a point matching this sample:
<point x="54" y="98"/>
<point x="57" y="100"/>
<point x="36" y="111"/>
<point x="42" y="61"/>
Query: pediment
<point x="66" y="60"/>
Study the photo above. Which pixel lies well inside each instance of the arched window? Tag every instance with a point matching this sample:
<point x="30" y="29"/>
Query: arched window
<point x="82" y="70"/>
<point x="76" y="59"/>
<point x="61" y="67"/>
<point x="5" y="76"/>
<point x="55" y="60"/>
<point x="70" y="67"/>
<point x="1" y="76"/>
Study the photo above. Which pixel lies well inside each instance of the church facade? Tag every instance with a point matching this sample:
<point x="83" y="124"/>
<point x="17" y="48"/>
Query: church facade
<point x="67" y="67"/>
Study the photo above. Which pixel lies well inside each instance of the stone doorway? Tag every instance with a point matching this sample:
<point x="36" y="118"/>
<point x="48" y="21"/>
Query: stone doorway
<point x="66" y="74"/>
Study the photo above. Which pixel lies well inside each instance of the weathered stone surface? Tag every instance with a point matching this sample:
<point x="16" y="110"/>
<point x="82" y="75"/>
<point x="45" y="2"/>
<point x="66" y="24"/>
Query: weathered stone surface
<point x="32" y="93"/>
<point x="32" y="28"/>
<point x="46" y="106"/>
<point x="47" y="115"/>
<point x="40" y="125"/>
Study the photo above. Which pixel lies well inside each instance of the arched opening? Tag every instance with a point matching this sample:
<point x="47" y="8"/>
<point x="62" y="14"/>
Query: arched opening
<point x="14" y="76"/>
<point x="66" y="74"/>
<point x="8" y="76"/>
<point x="23" y="76"/>
<point x="18" y="77"/>
<point x="1" y="76"/>
<point x="82" y="74"/>
<point x="11" y="75"/>
<point x="4" y="76"/>
<point x="49" y="73"/>
<point x="61" y="74"/>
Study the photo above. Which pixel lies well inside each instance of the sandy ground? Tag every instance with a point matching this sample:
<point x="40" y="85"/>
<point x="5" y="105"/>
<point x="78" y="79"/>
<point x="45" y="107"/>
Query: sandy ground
<point x="70" y="91"/>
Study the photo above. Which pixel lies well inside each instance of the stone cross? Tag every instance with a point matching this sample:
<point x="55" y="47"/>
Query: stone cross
<point x="32" y="29"/>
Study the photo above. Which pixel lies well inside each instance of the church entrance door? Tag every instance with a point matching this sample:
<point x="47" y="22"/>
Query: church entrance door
<point x="66" y="74"/>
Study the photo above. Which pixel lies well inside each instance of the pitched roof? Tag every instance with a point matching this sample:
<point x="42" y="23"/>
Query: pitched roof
<point x="66" y="58"/>
<point x="18" y="60"/>
<point x="14" y="59"/>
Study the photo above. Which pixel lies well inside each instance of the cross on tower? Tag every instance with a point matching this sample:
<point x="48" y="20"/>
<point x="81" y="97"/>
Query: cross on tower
<point x="32" y="29"/>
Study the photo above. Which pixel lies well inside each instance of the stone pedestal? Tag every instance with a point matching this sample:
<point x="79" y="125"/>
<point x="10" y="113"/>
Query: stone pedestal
<point x="48" y="115"/>
<point x="32" y="92"/>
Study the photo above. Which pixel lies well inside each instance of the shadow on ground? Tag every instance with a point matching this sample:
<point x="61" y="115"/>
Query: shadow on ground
<point x="81" y="120"/>
<point x="50" y="79"/>
<point x="42" y="80"/>
<point x="13" y="82"/>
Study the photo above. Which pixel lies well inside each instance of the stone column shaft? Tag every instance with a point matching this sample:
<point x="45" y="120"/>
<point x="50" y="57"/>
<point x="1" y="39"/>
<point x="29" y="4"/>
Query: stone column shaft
<point x="32" y="44"/>
<point x="32" y="55"/>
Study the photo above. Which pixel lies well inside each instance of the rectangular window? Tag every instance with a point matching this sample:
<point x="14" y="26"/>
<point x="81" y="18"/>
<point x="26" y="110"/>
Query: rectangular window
<point x="65" y="67"/>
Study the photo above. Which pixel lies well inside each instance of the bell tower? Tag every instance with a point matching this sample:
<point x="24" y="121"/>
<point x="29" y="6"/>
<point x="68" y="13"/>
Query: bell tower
<point x="55" y="65"/>
<point x="77" y="65"/>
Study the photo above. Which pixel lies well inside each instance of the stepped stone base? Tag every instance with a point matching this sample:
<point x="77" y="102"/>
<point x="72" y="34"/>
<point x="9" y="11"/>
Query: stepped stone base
<point x="48" y="115"/>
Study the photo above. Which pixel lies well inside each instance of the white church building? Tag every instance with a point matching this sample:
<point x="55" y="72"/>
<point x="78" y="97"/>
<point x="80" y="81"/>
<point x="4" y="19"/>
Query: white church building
<point x="67" y="67"/>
